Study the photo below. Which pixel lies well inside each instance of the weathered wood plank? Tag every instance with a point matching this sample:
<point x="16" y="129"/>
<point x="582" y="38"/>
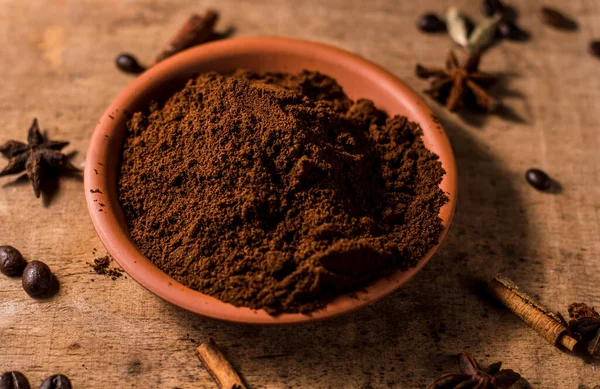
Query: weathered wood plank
<point x="57" y="64"/>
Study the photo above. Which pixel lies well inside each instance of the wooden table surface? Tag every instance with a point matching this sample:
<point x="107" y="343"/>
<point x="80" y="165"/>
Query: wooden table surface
<point x="57" y="65"/>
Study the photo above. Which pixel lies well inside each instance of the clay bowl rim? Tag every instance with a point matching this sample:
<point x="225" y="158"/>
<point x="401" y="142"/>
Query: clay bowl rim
<point x="107" y="217"/>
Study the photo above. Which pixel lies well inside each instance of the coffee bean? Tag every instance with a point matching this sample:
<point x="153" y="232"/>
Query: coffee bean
<point x="129" y="64"/>
<point x="37" y="278"/>
<point x="491" y="7"/>
<point x="509" y="30"/>
<point x="538" y="179"/>
<point x="11" y="261"/>
<point x="595" y="48"/>
<point x="431" y="23"/>
<point x="556" y="19"/>
<point x="57" y="381"/>
<point x="14" y="380"/>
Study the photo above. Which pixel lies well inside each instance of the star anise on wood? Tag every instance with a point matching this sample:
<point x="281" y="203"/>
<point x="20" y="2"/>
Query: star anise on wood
<point x="458" y="86"/>
<point x="38" y="158"/>
<point x="584" y="323"/>
<point x="471" y="376"/>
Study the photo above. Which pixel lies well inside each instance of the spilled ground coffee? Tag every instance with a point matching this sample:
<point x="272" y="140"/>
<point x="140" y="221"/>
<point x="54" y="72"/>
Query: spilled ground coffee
<point x="277" y="191"/>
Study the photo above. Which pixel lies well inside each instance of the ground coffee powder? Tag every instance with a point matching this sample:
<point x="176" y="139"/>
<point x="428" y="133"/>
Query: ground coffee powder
<point x="101" y="266"/>
<point x="277" y="191"/>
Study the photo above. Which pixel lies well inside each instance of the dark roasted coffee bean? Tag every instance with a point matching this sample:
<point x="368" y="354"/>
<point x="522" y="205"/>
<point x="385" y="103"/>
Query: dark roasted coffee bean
<point x="57" y="381"/>
<point x="595" y="48"/>
<point x="556" y="19"/>
<point x="509" y="30"/>
<point x="11" y="261"/>
<point x="14" y="380"/>
<point x="491" y="7"/>
<point x="431" y="23"/>
<point x="538" y="179"/>
<point x="129" y="64"/>
<point x="37" y="278"/>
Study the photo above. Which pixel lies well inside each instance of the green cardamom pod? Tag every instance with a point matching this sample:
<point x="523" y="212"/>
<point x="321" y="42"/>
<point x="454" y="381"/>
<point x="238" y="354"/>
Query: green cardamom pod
<point x="457" y="26"/>
<point x="484" y="33"/>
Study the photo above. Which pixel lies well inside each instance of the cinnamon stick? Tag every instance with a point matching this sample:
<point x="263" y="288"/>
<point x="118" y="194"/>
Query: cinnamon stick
<point x="537" y="316"/>
<point x="219" y="368"/>
<point x="196" y="30"/>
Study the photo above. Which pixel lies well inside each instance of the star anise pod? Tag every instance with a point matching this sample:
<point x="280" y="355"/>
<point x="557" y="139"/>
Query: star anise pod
<point x="471" y="376"/>
<point x="39" y="157"/>
<point x="458" y="86"/>
<point x="584" y="323"/>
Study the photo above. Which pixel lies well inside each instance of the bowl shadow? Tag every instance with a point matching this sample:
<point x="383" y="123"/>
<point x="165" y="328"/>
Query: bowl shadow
<point x="411" y="337"/>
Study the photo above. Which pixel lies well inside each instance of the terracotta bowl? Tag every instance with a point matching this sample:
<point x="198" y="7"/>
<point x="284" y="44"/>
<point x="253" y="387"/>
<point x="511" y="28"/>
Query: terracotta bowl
<point x="359" y="78"/>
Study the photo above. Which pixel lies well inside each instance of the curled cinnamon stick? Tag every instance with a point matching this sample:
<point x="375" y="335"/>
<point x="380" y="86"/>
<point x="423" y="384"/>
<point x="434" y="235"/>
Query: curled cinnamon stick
<point x="197" y="29"/>
<point x="537" y="316"/>
<point x="219" y="368"/>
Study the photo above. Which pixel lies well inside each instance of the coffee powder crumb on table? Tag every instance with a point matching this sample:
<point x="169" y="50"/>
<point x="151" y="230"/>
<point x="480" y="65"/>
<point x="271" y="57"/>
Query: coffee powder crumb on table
<point x="102" y="267"/>
<point x="277" y="191"/>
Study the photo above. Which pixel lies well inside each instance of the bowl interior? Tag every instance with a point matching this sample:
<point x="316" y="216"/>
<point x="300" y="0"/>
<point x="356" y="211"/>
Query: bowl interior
<point x="358" y="77"/>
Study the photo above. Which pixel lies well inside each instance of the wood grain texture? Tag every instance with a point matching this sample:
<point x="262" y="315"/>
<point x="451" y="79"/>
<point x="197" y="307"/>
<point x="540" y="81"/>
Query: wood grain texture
<point x="57" y="65"/>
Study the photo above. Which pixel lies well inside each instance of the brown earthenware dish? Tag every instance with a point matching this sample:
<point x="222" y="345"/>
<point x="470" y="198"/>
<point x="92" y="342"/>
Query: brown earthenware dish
<point x="359" y="78"/>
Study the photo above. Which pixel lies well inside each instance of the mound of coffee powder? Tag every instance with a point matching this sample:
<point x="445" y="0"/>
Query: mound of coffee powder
<point x="277" y="191"/>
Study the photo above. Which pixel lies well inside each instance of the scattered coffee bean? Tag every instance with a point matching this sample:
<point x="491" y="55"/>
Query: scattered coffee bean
<point x="509" y="30"/>
<point x="129" y="64"/>
<point x="491" y="7"/>
<point x="595" y="48"/>
<point x="510" y="13"/>
<point x="14" y="380"/>
<point x="556" y="19"/>
<point x="57" y="381"/>
<point x="37" y="278"/>
<point x="11" y="261"/>
<point x="431" y="23"/>
<point x="538" y="179"/>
